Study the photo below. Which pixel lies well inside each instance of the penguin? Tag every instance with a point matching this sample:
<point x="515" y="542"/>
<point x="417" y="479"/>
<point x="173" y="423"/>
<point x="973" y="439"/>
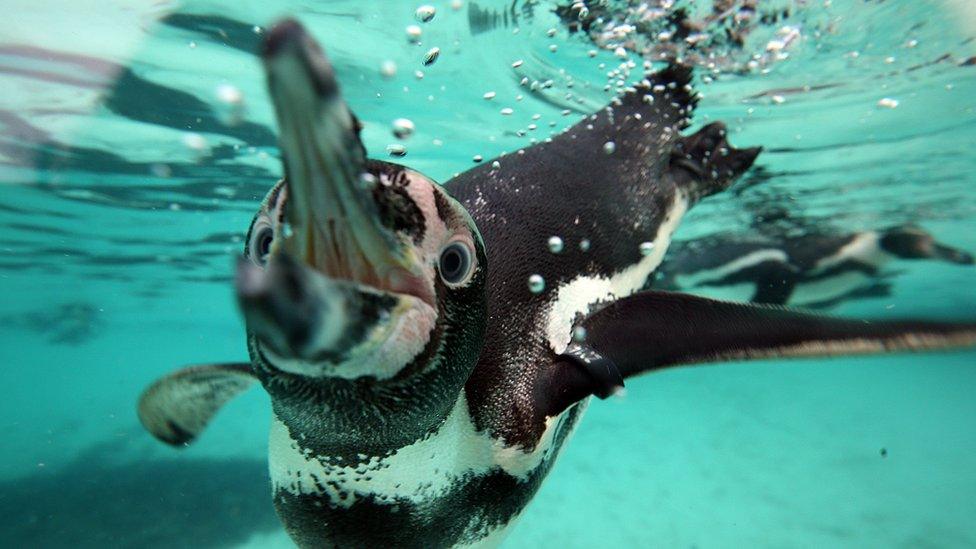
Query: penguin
<point x="428" y="350"/>
<point x="815" y="270"/>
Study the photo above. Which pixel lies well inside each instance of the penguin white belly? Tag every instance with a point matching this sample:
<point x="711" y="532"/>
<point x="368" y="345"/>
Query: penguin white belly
<point x="826" y="289"/>
<point x="741" y="292"/>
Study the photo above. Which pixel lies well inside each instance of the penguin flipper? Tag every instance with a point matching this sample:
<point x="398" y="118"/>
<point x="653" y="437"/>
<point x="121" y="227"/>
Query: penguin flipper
<point x="653" y="330"/>
<point x="709" y="163"/>
<point x="177" y="408"/>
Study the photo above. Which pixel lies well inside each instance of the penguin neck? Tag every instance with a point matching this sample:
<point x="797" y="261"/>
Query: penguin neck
<point x="349" y="419"/>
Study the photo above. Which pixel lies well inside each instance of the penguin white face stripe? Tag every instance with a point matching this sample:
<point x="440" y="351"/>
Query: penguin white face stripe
<point x="865" y="248"/>
<point x="577" y="296"/>
<point x="742" y="263"/>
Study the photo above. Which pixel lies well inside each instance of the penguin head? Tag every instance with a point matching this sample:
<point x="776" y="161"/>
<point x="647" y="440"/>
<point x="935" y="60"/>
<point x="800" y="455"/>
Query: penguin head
<point x="353" y="268"/>
<point x="913" y="242"/>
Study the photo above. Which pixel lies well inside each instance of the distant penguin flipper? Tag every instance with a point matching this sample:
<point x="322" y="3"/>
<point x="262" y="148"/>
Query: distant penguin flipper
<point x="177" y="408"/>
<point x="653" y="330"/>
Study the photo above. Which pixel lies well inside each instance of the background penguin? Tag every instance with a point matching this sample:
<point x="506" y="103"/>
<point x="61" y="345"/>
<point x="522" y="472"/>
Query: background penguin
<point x="427" y="356"/>
<point x="811" y="270"/>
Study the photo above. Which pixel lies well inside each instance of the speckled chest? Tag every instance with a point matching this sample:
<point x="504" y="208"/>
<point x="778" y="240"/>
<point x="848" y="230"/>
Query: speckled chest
<point x="455" y="486"/>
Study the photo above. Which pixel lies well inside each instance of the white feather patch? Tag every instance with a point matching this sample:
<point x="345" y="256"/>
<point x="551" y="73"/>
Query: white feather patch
<point x="865" y="247"/>
<point x="739" y="264"/>
<point x="577" y="296"/>
<point x="418" y="472"/>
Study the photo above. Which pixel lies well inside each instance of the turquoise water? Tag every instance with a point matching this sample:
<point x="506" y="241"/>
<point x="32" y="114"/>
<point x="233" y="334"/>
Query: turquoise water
<point x="129" y="180"/>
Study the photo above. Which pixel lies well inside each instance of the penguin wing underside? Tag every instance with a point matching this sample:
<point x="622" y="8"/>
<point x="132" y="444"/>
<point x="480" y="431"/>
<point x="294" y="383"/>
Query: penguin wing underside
<point x="178" y="407"/>
<point x="654" y="330"/>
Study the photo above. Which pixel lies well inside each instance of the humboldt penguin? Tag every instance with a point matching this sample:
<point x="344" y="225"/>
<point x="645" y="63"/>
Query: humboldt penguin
<point x="429" y="349"/>
<point x="814" y="270"/>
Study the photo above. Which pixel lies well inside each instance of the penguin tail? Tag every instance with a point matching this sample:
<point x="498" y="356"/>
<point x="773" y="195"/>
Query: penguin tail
<point x="707" y="162"/>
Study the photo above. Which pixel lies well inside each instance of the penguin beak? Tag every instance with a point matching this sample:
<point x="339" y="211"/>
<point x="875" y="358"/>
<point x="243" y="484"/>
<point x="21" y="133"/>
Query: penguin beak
<point x="951" y="255"/>
<point x="300" y="314"/>
<point x="334" y="223"/>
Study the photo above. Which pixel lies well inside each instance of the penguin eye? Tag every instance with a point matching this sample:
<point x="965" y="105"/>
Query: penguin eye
<point x="261" y="243"/>
<point x="455" y="263"/>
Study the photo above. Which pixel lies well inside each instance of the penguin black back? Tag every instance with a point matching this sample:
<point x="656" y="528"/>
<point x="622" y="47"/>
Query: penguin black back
<point x="619" y="179"/>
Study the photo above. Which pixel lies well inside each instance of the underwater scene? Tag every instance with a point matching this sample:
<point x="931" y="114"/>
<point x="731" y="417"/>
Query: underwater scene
<point x="425" y="354"/>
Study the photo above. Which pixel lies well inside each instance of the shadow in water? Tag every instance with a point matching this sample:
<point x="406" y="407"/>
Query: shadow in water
<point x="69" y="323"/>
<point x="98" y="502"/>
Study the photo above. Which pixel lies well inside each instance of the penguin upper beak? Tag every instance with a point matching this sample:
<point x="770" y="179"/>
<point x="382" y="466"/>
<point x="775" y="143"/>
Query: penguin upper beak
<point x="335" y="224"/>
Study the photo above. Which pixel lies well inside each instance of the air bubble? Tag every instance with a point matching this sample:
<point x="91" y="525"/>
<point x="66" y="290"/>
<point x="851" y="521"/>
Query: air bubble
<point x="413" y="33"/>
<point x="555" y="244"/>
<point x="396" y="149"/>
<point x="579" y="334"/>
<point x="489" y="95"/>
<point x="431" y="56"/>
<point x="425" y="13"/>
<point x="646" y="248"/>
<point x="888" y="103"/>
<point x="584" y="245"/>
<point x="230" y="94"/>
<point x="609" y="147"/>
<point x="536" y="284"/>
<point x="195" y="142"/>
<point x="388" y="69"/>
<point x="402" y="128"/>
